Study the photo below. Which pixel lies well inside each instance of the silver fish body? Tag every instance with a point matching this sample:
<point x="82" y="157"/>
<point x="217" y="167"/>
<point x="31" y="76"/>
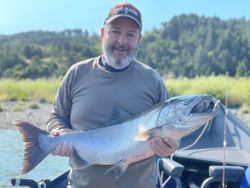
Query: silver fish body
<point x="125" y="142"/>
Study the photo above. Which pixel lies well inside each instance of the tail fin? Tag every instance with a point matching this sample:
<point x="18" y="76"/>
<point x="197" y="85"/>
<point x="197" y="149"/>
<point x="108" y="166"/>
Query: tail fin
<point x="33" y="153"/>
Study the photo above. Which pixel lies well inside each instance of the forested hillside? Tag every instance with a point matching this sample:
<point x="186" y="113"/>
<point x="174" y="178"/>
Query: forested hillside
<point x="187" y="45"/>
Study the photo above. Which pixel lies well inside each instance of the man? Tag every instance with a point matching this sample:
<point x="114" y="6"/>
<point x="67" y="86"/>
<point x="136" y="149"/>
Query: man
<point x="92" y="88"/>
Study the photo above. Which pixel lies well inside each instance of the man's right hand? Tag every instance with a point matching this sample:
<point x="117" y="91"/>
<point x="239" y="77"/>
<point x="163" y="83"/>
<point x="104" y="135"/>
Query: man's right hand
<point x="64" y="149"/>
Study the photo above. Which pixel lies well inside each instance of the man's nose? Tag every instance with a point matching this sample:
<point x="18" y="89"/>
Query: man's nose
<point x="122" y="39"/>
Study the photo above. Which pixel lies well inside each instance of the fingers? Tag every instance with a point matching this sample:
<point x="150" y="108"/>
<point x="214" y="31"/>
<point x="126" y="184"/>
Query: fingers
<point x="63" y="149"/>
<point x="173" y="143"/>
<point x="164" y="147"/>
<point x="161" y="148"/>
<point x="57" y="132"/>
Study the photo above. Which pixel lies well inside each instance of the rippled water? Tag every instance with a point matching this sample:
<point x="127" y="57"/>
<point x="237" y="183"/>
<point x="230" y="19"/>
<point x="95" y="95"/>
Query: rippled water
<point x="11" y="152"/>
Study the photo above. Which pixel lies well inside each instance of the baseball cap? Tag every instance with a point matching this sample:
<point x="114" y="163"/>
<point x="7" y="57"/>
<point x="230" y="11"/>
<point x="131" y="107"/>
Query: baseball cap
<point x="126" y="10"/>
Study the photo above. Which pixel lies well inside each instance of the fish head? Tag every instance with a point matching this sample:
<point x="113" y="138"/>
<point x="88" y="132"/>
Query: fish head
<point x="187" y="113"/>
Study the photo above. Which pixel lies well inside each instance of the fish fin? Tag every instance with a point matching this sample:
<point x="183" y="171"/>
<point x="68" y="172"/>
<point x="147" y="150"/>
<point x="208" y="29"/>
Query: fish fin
<point x="118" y="115"/>
<point x="119" y="168"/>
<point x="33" y="153"/>
<point x="147" y="135"/>
<point x="76" y="162"/>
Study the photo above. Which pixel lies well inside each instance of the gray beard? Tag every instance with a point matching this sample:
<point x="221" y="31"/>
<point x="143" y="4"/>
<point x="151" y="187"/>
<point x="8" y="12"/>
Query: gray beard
<point x="117" y="63"/>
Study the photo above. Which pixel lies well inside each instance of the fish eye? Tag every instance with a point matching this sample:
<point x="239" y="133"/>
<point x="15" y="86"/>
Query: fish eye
<point x="186" y="102"/>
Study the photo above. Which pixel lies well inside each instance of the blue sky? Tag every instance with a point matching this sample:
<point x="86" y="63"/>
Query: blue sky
<point x="57" y="15"/>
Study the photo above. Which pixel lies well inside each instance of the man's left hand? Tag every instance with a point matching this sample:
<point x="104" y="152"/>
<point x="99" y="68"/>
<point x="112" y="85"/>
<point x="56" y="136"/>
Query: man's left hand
<point x="164" y="147"/>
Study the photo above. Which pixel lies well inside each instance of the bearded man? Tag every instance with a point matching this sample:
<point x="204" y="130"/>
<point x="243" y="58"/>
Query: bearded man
<point x="92" y="88"/>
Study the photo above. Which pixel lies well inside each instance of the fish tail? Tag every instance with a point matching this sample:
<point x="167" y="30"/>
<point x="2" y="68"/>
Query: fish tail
<point x="33" y="153"/>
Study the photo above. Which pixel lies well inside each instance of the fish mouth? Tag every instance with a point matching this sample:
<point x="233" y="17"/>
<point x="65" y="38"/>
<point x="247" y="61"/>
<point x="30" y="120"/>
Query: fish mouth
<point x="204" y="105"/>
<point x="202" y="110"/>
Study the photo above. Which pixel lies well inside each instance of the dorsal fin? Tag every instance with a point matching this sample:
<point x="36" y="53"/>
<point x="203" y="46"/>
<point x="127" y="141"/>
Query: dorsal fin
<point x="118" y="115"/>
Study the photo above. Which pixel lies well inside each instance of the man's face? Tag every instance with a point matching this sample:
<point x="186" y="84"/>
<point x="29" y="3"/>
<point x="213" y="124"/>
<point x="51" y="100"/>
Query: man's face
<point x="120" y="42"/>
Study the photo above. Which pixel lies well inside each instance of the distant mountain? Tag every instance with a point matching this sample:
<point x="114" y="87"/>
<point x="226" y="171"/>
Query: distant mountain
<point x="186" y="46"/>
<point x="2" y="36"/>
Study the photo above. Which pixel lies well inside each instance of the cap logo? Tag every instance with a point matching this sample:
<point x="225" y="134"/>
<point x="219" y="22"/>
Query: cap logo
<point x="125" y="9"/>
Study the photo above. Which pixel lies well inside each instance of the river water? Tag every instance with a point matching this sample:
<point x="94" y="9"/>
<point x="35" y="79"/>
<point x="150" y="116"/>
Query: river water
<point x="11" y="153"/>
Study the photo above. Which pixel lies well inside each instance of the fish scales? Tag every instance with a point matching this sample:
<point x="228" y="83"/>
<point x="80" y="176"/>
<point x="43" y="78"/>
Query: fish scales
<point x="123" y="143"/>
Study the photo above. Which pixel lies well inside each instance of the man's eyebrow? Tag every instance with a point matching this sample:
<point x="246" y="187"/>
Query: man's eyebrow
<point x="132" y="30"/>
<point x="128" y="30"/>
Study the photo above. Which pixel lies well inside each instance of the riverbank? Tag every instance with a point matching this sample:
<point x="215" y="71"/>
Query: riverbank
<point x="38" y="113"/>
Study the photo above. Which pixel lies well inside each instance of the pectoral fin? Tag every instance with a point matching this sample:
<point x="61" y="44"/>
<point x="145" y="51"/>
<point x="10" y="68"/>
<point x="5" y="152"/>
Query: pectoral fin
<point x="150" y="134"/>
<point x="119" y="168"/>
<point x="77" y="162"/>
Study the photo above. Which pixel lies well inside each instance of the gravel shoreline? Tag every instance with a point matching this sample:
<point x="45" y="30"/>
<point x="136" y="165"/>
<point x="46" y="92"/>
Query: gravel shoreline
<point x="40" y="115"/>
<point x="37" y="116"/>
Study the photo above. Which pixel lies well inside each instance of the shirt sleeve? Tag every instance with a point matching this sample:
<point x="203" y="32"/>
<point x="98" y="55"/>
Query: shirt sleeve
<point x="60" y="114"/>
<point x="163" y="92"/>
<point x="162" y="89"/>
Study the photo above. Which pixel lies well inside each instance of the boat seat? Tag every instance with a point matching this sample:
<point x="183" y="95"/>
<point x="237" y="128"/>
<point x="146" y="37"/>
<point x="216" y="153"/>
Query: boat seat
<point x="172" y="169"/>
<point x="232" y="174"/>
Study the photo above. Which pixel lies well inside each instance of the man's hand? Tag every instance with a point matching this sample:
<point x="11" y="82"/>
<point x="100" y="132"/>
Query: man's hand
<point x="164" y="147"/>
<point x="65" y="148"/>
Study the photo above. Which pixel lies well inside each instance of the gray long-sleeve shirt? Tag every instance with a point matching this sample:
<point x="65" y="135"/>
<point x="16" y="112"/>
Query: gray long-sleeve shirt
<point x="85" y="100"/>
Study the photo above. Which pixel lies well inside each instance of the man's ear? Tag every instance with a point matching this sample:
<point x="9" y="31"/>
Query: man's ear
<point x="102" y="31"/>
<point x="140" y="36"/>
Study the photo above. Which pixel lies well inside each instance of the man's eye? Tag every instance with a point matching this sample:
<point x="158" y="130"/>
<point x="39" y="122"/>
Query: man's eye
<point x="115" y="32"/>
<point x="131" y="35"/>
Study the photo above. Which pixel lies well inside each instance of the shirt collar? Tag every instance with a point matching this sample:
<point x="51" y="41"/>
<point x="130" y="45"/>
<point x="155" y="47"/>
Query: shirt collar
<point x="107" y="67"/>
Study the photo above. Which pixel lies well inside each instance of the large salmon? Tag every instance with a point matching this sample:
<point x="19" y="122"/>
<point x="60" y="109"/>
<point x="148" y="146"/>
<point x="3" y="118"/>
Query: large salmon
<point x="124" y="142"/>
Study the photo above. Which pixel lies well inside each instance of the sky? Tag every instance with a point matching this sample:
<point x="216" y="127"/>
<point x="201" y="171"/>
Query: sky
<point x="57" y="15"/>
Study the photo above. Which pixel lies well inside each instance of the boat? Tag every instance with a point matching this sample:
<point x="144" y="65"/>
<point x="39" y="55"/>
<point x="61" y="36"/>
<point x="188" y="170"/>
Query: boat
<point x="219" y="158"/>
